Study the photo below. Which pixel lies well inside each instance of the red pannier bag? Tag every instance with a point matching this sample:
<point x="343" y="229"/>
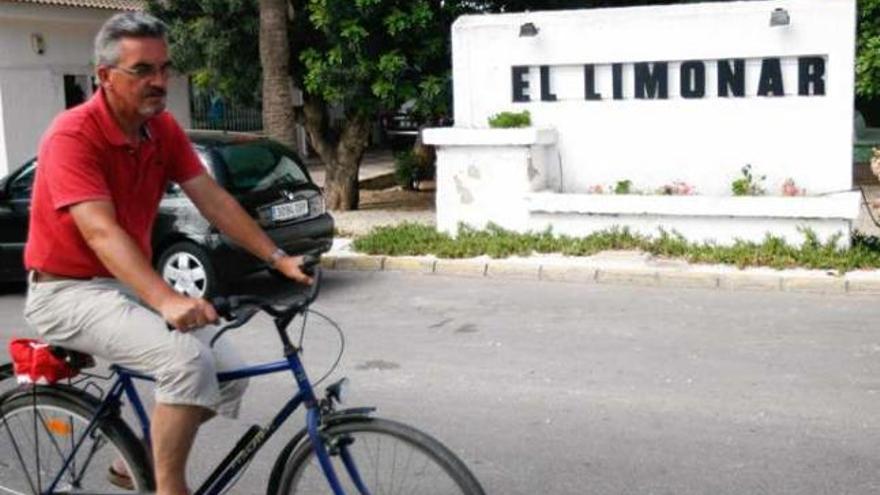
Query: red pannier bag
<point x="34" y="362"/>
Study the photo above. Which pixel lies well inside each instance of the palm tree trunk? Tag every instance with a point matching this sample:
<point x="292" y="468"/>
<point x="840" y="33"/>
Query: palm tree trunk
<point x="278" y="112"/>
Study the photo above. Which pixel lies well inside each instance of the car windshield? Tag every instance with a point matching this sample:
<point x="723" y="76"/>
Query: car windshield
<point x="257" y="165"/>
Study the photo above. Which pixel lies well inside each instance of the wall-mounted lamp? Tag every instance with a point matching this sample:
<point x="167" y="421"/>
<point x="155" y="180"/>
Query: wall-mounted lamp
<point x="38" y="44"/>
<point x="779" y="17"/>
<point x="528" y="30"/>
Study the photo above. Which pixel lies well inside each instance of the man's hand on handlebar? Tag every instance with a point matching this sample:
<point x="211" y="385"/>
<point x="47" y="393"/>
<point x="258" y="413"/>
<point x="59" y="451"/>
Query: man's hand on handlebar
<point x="239" y="309"/>
<point x="186" y="313"/>
<point x="291" y="267"/>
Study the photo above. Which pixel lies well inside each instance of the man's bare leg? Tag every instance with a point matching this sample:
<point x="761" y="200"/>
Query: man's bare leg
<point x="173" y="430"/>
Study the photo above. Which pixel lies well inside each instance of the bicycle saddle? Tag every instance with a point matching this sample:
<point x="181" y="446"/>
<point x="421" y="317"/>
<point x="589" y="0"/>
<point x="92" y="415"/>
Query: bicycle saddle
<point x="74" y="359"/>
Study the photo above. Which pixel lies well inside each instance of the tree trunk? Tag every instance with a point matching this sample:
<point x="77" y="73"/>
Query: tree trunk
<point x="342" y="159"/>
<point x="278" y="112"/>
<point x="341" y="192"/>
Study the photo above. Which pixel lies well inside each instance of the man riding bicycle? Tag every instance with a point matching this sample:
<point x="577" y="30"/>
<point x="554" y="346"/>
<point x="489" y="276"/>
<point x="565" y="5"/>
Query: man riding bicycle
<point x="103" y="168"/>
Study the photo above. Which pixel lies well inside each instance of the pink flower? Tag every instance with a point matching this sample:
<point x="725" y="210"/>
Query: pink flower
<point x="682" y="188"/>
<point x="789" y="188"/>
<point x="677" y="188"/>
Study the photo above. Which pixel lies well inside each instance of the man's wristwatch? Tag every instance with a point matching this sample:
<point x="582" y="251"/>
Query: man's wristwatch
<point x="275" y="256"/>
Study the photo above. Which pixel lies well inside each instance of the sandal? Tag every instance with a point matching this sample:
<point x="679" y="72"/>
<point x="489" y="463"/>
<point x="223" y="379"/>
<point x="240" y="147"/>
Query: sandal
<point x="121" y="480"/>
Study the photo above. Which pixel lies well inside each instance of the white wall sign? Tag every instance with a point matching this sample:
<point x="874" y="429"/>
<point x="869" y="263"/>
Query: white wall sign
<point x="673" y="93"/>
<point x="675" y="98"/>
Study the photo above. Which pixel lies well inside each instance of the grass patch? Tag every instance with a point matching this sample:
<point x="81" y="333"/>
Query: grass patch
<point x="415" y="239"/>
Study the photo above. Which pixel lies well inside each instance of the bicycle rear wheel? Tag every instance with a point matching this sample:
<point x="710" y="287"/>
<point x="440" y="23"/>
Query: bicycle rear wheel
<point x="390" y="458"/>
<point x="38" y="431"/>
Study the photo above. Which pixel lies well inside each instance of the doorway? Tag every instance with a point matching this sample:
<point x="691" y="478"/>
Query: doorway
<point x="77" y="89"/>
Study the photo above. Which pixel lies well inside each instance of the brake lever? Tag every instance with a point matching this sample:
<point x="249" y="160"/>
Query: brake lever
<point x="225" y="306"/>
<point x="236" y="320"/>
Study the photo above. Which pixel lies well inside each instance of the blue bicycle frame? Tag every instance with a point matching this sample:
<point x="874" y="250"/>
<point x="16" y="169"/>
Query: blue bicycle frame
<point x="254" y="438"/>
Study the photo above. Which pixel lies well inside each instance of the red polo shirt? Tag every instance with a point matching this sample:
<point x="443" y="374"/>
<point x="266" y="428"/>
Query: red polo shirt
<point x="85" y="156"/>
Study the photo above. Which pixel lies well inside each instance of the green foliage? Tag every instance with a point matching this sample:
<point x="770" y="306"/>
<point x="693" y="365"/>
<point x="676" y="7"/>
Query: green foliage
<point x="868" y="49"/>
<point x="374" y="55"/>
<point x="215" y="42"/>
<point x="510" y="119"/>
<point x="366" y="55"/>
<point x="623" y="187"/>
<point x="748" y="184"/>
<point x="415" y="240"/>
<point x="406" y="166"/>
<point x="411" y="167"/>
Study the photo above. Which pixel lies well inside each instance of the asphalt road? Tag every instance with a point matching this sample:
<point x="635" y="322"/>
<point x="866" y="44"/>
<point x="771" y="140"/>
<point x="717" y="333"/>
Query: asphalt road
<point x="578" y="389"/>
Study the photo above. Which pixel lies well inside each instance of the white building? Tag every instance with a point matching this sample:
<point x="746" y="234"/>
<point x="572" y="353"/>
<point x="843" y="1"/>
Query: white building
<point x="654" y="96"/>
<point x="46" y="66"/>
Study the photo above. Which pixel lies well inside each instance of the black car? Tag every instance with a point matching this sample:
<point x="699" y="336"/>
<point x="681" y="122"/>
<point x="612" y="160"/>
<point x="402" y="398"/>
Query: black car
<point x="269" y="181"/>
<point x="401" y="128"/>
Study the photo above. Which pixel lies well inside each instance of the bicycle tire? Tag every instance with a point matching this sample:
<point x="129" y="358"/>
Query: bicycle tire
<point x="38" y="428"/>
<point x="431" y="466"/>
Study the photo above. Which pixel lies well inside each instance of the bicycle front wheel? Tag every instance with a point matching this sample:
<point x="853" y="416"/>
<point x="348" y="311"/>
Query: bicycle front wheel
<point x="384" y="457"/>
<point x="38" y="432"/>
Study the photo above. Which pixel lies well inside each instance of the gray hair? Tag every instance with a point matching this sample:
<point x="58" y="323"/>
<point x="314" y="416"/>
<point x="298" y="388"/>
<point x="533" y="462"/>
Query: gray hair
<point x="125" y="25"/>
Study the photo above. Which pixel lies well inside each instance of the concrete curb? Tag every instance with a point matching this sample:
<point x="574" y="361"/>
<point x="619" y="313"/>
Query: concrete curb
<point x="616" y="271"/>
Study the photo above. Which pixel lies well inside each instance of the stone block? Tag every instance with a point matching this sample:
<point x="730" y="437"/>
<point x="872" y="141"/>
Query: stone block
<point x="359" y="263"/>
<point x="627" y="276"/>
<point x="814" y="283"/>
<point x="507" y="269"/>
<point x="863" y="283"/>
<point x="328" y="261"/>
<point x="749" y="281"/>
<point x="689" y="279"/>
<point x="410" y="264"/>
<point x="466" y="268"/>
<point x="567" y="273"/>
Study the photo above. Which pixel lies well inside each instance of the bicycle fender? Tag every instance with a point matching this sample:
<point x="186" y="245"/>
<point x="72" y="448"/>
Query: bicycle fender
<point x="345" y="415"/>
<point x="334" y="418"/>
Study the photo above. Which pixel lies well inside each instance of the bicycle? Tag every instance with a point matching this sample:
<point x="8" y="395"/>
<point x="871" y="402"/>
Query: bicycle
<point x="62" y="438"/>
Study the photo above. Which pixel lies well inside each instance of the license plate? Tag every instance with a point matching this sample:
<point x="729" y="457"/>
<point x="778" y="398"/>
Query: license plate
<point x="286" y="211"/>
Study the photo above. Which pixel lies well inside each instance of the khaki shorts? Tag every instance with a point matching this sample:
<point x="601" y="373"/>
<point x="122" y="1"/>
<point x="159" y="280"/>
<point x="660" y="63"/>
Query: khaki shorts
<point x="103" y="318"/>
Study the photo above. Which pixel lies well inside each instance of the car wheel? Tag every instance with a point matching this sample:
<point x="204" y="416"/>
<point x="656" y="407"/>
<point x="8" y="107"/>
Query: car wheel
<point x="187" y="268"/>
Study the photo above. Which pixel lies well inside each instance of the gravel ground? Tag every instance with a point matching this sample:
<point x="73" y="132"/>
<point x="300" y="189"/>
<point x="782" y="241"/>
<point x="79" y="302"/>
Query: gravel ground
<point x="355" y="223"/>
<point x="379" y="207"/>
<point x="390" y="206"/>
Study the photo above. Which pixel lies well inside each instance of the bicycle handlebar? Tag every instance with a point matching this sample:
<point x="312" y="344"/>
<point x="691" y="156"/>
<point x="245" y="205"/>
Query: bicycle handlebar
<point x="239" y="309"/>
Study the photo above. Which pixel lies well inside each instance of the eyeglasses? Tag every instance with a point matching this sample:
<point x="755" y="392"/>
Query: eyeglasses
<point x="145" y="71"/>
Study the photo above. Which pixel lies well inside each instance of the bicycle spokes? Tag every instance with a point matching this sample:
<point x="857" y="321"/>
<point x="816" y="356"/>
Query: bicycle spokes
<point x="37" y="442"/>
